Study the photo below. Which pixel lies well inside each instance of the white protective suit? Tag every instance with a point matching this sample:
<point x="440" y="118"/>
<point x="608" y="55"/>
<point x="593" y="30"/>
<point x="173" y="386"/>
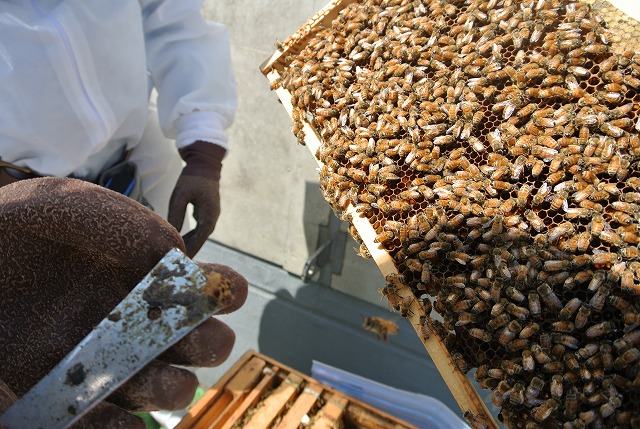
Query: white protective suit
<point x="76" y="78"/>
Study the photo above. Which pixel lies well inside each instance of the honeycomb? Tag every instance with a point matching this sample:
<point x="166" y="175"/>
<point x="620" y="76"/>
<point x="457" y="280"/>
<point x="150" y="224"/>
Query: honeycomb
<point x="625" y="29"/>
<point x="493" y="146"/>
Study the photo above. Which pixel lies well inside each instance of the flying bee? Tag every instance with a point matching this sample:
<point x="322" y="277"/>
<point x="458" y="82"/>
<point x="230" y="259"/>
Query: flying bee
<point x="381" y="327"/>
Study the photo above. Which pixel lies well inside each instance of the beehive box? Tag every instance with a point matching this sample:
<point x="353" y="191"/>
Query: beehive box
<point x="260" y="393"/>
<point x="486" y="154"/>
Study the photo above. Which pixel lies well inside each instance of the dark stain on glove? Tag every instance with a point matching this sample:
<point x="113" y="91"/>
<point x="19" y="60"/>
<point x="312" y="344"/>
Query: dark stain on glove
<point x="69" y="252"/>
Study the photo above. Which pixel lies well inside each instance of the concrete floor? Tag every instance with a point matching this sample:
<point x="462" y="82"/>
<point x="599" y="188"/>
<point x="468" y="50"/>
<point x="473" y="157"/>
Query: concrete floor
<point x="296" y="322"/>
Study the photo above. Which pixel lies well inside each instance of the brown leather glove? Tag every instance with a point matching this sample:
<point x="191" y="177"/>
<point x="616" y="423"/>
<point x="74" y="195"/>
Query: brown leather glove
<point x="199" y="184"/>
<point x="69" y="252"/>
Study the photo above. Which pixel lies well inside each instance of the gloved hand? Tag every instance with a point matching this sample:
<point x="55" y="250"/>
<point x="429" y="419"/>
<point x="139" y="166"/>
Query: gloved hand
<point x="69" y="252"/>
<point x="199" y="184"/>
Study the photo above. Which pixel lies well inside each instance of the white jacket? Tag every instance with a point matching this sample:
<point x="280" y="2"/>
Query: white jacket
<point x="76" y="76"/>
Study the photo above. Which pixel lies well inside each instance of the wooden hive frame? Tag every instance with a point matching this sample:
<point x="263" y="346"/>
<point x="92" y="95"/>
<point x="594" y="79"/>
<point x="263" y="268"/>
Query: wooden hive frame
<point x="258" y="392"/>
<point x="459" y="383"/>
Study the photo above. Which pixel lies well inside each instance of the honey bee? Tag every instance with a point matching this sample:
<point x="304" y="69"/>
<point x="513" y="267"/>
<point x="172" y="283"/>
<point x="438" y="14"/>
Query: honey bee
<point x="630" y="356"/>
<point x="475" y="420"/>
<point x="552" y="367"/>
<point x="511" y="367"/>
<point x="413" y="264"/>
<point x="381" y="327"/>
<point x="559" y="200"/>
<point x="460" y="362"/>
<point x="565" y="339"/>
<point x="534" y="220"/>
<point x="556" y="265"/>
<point x="514" y="294"/>
<point x="579" y="213"/>
<point x="611" y="406"/>
<point x="533" y="390"/>
<point x="600" y="329"/>
<point x="571" y="403"/>
<point x="480" y="334"/>
<point x="562" y="230"/>
<point x="556" y="387"/>
<point x="499" y="321"/>
<point x="571" y="362"/>
<point x="539" y="354"/>
<point x="549" y="297"/>
<point x="501" y="393"/>
<point x="509" y="332"/>
<point x="541" y="194"/>
<point x="570" y="308"/>
<point x="604" y="260"/>
<point x="384" y="237"/>
<point x="534" y="305"/>
<point x="544" y="411"/>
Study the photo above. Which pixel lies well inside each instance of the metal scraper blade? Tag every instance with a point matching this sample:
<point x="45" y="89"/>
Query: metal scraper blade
<point x="167" y="304"/>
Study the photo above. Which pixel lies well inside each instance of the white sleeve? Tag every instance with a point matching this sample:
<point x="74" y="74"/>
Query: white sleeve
<point x="189" y="61"/>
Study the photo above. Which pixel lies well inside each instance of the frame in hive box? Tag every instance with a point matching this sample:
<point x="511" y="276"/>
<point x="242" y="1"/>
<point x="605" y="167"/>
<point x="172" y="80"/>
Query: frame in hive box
<point x="258" y="392"/>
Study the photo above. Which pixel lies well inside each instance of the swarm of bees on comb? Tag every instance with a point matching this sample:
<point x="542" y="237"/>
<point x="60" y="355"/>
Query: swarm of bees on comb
<point x="493" y="145"/>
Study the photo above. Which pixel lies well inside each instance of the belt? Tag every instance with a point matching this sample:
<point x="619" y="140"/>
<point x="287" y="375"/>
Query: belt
<point x="17" y="172"/>
<point x="21" y="173"/>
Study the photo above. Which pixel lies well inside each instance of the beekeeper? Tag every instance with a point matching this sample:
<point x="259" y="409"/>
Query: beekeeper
<point x="76" y="80"/>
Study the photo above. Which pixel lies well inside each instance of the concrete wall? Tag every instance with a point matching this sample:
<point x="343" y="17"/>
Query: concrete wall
<point x="272" y="207"/>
